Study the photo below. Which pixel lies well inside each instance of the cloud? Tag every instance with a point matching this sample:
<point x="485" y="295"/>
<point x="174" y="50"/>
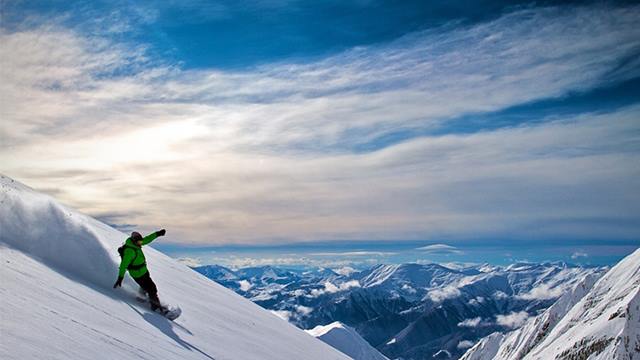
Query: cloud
<point x="447" y="292"/>
<point x="303" y="310"/>
<point x="237" y="262"/>
<point x="465" y="344"/>
<point x="440" y="249"/>
<point x="271" y="154"/>
<point x="330" y="288"/>
<point x="354" y="253"/>
<point x="499" y="295"/>
<point x="476" y="301"/>
<point x="579" y="254"/>
<point x="513" y="319"/>
<point x="542" y="292"/>
<point x="245" y="285"/>
<point x="474" y="322"/>
<point x="345" y="270"/>
<point x="407" y="288"/>
<point x="190" y="261"/>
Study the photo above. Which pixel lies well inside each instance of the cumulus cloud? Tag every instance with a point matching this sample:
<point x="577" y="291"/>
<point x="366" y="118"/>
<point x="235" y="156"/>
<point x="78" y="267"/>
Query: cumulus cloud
<point x="470" y="322"/>
<point x="512" y="320"/>
<point x="303" y="310"/>
<point x="407" y="288"/>
<point x="447" y="292"/>
<point x="542" y="292"/>
<point x="245" y="285"/>
<point x="499" y="295"/>
<point x="330" y="288"/>
<point x="476" y="301"/>
<point x="272" y="154"/>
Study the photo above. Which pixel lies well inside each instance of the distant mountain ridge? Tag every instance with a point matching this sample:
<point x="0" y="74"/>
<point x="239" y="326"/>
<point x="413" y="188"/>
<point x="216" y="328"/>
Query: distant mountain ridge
<point x="413" y="311"/>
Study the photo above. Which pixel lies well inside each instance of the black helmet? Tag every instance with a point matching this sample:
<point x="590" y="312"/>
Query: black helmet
<point x="135" y="236"/>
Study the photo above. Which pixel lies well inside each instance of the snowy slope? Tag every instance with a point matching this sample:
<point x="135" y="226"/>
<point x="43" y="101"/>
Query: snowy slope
<point x="58" y="267"/>
<point x="346" y="340"/>
<point x="516" y="344"/>
<point x="596" y="318"/>
<point x="485" y="349"/>
<point x="605" y="324"/>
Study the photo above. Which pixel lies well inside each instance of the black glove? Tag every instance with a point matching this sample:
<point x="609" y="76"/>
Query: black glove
<point x="118" y="282"/>
<point x="161" y="232"/>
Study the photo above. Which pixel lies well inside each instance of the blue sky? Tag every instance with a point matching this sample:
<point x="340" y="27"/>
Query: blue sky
<point x="241" y="34"/>
<point x="271" y="123"/>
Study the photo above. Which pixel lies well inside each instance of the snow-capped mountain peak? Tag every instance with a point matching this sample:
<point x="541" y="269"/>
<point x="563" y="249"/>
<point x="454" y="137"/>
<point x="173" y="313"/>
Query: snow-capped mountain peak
<point x="347" y="340"/>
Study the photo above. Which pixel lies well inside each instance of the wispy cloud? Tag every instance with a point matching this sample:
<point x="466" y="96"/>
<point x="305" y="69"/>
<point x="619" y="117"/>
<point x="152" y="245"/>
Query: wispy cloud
<point x="579" y="254"/>
<point x="268" y="155"/>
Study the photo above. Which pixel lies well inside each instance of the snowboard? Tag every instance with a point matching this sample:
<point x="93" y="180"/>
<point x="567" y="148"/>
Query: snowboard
<point x="169" y="311"/>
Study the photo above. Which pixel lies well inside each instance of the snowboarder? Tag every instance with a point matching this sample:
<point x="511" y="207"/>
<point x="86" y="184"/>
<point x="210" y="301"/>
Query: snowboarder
<point x="133" y="260"/>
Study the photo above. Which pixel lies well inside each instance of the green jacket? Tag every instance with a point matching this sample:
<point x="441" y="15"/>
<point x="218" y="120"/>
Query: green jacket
<point x="133" y="255"/>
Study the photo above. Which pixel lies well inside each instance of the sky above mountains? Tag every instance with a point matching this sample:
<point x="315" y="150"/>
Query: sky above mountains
<point x="279" y="122"/>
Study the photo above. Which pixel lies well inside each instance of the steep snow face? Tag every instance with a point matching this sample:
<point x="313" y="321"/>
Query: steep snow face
<point x="604" y="324"/>
<point x="516" y="344"/>
<point x="595" y="320"/>
<point x="346" y="340"/>
<point x="57" y="302"/>
<point x="485" y="349"/>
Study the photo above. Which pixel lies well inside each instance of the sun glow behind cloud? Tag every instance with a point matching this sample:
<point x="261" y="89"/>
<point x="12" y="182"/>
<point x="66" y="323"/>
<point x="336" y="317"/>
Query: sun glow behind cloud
<point x="273" y="154"/>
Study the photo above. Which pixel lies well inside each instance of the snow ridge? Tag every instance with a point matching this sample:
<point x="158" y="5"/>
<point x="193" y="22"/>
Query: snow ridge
<point x="605" y="324"/>
<point x="347" y="340"/>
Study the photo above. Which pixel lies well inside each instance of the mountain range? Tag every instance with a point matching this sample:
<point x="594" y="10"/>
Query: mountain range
<point x="409" y="311"/>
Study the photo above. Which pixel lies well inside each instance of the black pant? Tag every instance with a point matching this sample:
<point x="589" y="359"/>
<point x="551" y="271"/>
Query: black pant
<point x="150" y="288"/>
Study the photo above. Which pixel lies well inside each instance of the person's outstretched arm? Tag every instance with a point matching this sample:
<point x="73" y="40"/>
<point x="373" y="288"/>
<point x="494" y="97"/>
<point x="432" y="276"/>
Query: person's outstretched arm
<point x="149" y="238"/>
